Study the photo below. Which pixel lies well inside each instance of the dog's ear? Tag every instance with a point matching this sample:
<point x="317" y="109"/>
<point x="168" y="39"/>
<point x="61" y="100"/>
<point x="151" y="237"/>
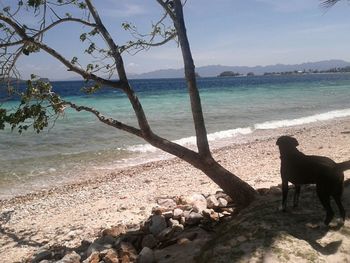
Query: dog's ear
<point x="287" y="140"/>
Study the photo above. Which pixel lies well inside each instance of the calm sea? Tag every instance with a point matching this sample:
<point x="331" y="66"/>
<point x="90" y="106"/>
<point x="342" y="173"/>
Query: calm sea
<point x="78" y="144"/>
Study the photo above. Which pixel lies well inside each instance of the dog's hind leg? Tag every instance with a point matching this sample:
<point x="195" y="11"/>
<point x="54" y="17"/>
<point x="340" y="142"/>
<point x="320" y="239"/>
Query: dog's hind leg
<point x="296" y="195"/>
<point x="324" y="197"/>
<point x="337" y="199"/>
<point x="284" y="195"/>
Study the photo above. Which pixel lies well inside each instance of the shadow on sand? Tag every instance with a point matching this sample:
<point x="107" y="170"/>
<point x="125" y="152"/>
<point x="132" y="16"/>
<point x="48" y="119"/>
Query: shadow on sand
<point x="263" y="233"/>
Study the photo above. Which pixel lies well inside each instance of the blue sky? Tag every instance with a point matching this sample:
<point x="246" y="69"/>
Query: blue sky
<point x="226" y="32"/>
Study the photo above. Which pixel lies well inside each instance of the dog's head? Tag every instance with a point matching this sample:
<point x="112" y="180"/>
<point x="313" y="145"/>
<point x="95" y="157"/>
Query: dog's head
<point x="287" y="144"/>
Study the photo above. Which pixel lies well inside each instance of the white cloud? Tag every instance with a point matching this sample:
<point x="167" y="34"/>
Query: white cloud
<point x="124" y="10"/>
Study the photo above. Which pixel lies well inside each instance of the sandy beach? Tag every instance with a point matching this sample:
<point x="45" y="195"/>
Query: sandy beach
<point x="68" y="214"/>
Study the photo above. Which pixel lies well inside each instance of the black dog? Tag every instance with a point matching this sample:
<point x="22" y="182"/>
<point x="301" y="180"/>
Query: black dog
<point x="299" y="169"/>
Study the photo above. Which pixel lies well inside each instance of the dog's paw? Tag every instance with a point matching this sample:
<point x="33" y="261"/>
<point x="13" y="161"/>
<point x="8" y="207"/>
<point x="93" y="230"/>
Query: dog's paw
<point x="282" y="208"/>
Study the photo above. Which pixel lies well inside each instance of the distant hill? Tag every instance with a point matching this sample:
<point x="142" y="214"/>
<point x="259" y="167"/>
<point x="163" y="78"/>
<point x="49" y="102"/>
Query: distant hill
<point x="215" y="70"/>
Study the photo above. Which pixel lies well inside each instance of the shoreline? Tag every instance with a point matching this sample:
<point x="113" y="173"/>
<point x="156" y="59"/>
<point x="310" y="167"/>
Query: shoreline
<point x="127" y="196"/>
<point x="53" y="177"/>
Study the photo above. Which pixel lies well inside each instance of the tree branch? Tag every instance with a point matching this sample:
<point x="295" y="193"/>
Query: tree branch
<point x="63" y="20"/>
<point x="165" y="6"/>
<point x="110" y="42"/>
<point x="146" y="44"/>
<point x="102" y="118"/>
<point x="196" y="106"/>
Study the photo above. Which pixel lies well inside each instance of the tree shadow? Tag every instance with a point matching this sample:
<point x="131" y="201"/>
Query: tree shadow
<point x="262" y="231"/>
<point x="22" y="239"/>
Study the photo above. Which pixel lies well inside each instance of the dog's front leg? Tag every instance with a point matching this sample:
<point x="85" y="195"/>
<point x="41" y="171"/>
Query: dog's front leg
<point x="296" y="195"/>
<point x="284" y="194"/>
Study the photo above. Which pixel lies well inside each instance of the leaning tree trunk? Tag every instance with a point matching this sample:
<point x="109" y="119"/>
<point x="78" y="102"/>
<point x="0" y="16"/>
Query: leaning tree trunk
<point x="241" y="192"/>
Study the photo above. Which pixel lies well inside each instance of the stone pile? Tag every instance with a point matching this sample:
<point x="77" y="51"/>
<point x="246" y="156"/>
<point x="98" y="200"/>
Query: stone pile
<point x="172" y="222"/>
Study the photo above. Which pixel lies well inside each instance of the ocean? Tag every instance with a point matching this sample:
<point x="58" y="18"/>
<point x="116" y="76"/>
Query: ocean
<point x="77" y="145"/>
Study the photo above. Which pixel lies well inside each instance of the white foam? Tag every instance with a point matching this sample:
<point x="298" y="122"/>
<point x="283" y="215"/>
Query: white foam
<point x="229" y="133"/>
<point x="191" y="141"/>
<point x="142" y="148"/>
<point x="269" y="125"/>
<point x="304" y="120"/>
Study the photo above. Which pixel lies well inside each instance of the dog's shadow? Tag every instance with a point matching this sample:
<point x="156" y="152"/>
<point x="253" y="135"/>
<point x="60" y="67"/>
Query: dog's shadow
<point x="306" y="223"/>
<point x="296" y="233"/>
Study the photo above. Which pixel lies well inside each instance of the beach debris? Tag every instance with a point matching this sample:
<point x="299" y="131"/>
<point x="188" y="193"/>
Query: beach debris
<point x="174" y="221"/>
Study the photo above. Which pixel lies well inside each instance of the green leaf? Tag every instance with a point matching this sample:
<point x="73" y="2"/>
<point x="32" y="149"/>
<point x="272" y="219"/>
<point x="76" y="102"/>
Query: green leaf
<point x="83" y="37"/>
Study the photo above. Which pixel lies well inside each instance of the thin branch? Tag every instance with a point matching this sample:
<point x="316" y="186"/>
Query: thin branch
<point x="329" y="3"/>
<point x="86" y="75"/>
<point x="71" y="67"/>
<point x="62" y="20"/>
<point x="110" y="42"/>
<point x="167" y="9"/>
<point x="148" y="44"/>
<point x="108" y="121"/>
<point x="10" y="44"/>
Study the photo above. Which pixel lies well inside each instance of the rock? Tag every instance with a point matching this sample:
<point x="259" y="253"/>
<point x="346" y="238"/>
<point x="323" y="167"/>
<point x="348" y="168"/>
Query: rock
<point x="93" y="258"/>
<point x="100" y="244"/>
<point x="183" y="220"/>
<point x="173" y="222"/>
<point x="114" y="231"/>
<point x="197" y="201"/>
<point x="127" y="252"/>
<point x="166" y="234"/>
<point x="194" y="218"/>
<point x="241" y="239"/>
<point x="111" y="257"/>
<point x="211" y="214"/>
<point x="149" y="241"/>
<point x="157" y="210"/>
<point x="183" y="241"/>
<point x="212" y="202"/>
<point x="168" y="214"/>
<point x="185" y="207"/>
<point x="157" y="224"/>
<point x="167" y="203"/>
<point x="72" y="257"/>
<point x="207" y="212"/>
<point x="275" y="190"/>
<point x="177" y="213"/>
<point x="146" y="256"/>
<point x="42" y="254"/>
<point x="223" y="195"/>
<point x="222" y="202"/>
<point x="178" y="228"/>
<point x="229" y="210"/>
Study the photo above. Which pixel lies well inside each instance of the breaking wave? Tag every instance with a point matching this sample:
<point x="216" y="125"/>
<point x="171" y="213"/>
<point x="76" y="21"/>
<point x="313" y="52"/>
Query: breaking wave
<point x="268" y="125"/>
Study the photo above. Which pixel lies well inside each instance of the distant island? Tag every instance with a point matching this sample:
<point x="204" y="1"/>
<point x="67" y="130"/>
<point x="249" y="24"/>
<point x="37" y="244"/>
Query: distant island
<point x="228" y="74"/>
<point x="294" y="72"/>
<point x="310" y="71"/>
<point x="216" y="70"/>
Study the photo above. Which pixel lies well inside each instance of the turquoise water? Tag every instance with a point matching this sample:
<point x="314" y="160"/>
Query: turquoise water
<point x="78" y="143"/>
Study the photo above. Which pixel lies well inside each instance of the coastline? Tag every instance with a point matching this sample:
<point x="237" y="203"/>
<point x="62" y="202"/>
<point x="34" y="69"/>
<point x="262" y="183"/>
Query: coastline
<point x="61" y="214"/>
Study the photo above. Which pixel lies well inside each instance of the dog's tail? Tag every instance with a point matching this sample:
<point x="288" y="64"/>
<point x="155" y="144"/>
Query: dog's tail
<point x="343" y="166"/>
